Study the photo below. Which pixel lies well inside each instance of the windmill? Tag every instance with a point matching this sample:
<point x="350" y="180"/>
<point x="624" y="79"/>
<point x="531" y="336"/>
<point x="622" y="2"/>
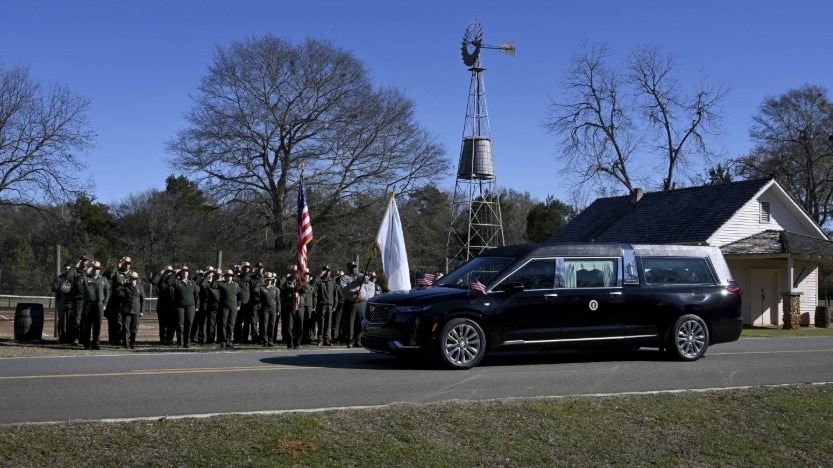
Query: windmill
<point x="476" y="223"/>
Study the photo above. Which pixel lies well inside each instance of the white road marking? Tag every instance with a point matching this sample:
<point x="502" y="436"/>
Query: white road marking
<point x="388" y="405"/>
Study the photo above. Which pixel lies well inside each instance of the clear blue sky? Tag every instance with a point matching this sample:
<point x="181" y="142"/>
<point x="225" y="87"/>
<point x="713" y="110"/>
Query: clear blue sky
<point x="138" y="61"/>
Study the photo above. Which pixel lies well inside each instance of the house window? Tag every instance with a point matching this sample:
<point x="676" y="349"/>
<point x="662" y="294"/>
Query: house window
<point x="764" y="212"/>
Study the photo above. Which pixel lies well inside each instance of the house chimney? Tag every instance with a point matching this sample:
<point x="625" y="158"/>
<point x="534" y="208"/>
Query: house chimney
<point x="636" y="195"/>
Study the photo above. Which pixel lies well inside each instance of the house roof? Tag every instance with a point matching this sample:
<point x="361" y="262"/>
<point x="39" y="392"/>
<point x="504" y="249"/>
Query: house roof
<point x="779" y="242"/>
<point x="684" y="216"/>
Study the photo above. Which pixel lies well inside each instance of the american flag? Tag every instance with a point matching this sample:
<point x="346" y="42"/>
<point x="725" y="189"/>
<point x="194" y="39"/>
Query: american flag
<point x="304" y="232"/>
<point x="425" y="280"/>
<point x="476" y="285"/>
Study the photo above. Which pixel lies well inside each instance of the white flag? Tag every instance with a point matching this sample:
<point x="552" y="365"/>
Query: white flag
<point x="391" y="244"/>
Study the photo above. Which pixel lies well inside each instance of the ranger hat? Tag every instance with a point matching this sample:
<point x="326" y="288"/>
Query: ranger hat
<point x="245" y="264"/>
<point x="126" y="260"/>
<point x="339" y="273"/>
<point x="169" y="268"/>
<point x="306" y="270"/>
<point x="184" y="268"/>
<point x="96" y="265"/>
<point x="209" y="268"/>
<point x="134" y="275"/>
<point x="228" y="273"/>
<point x="292" y="268"/>
<point x="372" y="274"/>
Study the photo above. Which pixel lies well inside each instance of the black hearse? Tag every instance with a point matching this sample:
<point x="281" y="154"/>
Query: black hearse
<point x="534" y="296"/>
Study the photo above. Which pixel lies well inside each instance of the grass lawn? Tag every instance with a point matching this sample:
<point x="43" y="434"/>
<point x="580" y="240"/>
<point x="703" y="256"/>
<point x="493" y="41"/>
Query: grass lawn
<point x="772" y="426"/>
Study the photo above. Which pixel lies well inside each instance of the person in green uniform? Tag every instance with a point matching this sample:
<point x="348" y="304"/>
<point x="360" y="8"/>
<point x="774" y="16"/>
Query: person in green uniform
<point x="335" y="318"/>
<point x="76" y="278"/>
<point x="117" y="278"/>
<point x="131" y="300"/>
<point x="290" y="301"/>
<point x="230" y="297"/>
<point x="185" y="295"/>
<point x="325" y="299"/>
<point x="304" y="326"/>
<point x="163" y="304"/>
<point x="206" y="321"/>
<point x="255" y="283"/>
<point x="61" y="287"/>
<point x="96" y="297"/>
<point x="270" y="305"/>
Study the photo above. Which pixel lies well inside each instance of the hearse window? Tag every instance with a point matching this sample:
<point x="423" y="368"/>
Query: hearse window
<point x="536" y="274"/>
<point x="482" y="269"/>
<point x="591" y="272"/>
<point x="677" y="270"/>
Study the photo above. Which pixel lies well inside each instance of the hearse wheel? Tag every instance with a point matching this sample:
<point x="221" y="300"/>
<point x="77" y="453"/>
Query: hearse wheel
<point x="688" y="338"/>
<point x="462" y="344"/>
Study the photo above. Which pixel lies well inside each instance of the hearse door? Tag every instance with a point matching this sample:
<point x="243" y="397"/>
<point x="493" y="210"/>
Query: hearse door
<point x="591" y="302"/>
<point x="525" y="301"/>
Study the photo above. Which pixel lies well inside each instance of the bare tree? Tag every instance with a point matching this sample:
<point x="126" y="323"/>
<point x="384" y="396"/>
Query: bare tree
<point x="595" y="124"/>
<point x="610" y="119"/>
<point x="40" y="129"/>
<point x="268" y="108"/>
<point x="680" y="124"/>
<point x="793" y="136"/>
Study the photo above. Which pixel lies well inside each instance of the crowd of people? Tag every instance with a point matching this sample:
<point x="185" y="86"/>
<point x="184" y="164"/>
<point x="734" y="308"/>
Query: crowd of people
<point x="244" y="304"/>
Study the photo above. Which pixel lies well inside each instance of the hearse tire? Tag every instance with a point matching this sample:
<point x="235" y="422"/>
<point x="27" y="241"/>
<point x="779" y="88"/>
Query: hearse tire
<point x="688" y="338"/>
<point x="462" y="344"/>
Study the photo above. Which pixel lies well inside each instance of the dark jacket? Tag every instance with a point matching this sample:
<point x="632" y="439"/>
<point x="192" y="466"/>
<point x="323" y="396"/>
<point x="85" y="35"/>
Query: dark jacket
<point x="185" y="293"/>
<point x="212" y="295"/>
<point x="230" y="295"/>
<point x="326" y="291"/>
<point x="131" y="299"/>
<point x="96" y="290"/>
<point x="270" y="299"/>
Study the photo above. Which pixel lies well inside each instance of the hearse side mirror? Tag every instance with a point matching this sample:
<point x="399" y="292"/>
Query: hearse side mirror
<point x="512" y="288"/>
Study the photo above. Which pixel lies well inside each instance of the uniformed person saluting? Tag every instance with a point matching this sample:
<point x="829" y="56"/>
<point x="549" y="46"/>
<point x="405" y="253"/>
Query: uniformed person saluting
<point x="270" y="304"/>
<point x="118" y="277"/>
<point x="164" y="304"/>
<point x="185" y="295"/>
<point x="96" y="296"/>
<point x="229" y="305"/>
<point x="131" y="300"/>
<point x="76" y="277"/>
<point x="325" y="299"/>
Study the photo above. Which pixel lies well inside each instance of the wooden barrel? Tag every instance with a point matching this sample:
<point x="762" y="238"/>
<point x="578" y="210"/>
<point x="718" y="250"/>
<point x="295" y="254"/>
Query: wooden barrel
<point x="28" y="321"/>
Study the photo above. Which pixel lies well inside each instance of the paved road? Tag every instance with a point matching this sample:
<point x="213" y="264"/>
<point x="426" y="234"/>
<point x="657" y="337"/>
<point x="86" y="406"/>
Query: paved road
<point x="173" y="384"/>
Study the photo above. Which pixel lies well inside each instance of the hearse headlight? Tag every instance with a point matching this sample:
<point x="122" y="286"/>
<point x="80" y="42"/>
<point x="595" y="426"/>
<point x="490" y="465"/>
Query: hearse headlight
<point x="418" y="308"/>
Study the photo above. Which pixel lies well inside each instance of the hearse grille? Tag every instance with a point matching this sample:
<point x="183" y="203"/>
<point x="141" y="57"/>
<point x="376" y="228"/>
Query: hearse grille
<point x="379" y="313"/>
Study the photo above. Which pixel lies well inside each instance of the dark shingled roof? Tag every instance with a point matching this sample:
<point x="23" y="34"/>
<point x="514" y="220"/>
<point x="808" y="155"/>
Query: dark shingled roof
<point x="779" y="242"/>
<point x="684" y="216"/>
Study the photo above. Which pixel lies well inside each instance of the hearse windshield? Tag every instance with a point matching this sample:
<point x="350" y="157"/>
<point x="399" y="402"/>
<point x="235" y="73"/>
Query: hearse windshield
<point x="482" y="269"/>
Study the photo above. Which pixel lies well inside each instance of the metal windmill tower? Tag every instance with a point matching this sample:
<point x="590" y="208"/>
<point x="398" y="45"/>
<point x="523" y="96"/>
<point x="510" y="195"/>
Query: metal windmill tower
<point x="476" y="223"/>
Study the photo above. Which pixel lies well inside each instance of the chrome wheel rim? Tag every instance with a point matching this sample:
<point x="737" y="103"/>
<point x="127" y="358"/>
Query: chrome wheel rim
<point x="462" y="344"/>
<point x="691" y="339"/>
